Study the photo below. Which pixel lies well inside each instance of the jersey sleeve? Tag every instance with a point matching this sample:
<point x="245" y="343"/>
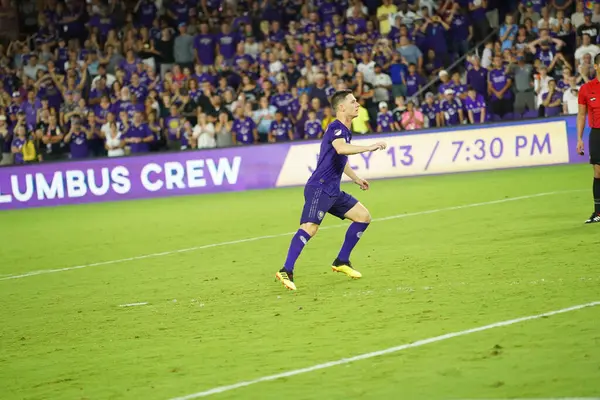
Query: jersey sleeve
<point x="582" y="96"/>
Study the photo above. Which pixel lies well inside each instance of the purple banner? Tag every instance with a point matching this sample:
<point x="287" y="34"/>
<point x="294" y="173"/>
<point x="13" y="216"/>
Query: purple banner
<point x="498" y="145"/>
<point x="156" y="175"/>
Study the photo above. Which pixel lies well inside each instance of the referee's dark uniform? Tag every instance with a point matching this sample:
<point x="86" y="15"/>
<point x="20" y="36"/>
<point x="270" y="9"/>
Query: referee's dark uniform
<point x="589" y="97"/>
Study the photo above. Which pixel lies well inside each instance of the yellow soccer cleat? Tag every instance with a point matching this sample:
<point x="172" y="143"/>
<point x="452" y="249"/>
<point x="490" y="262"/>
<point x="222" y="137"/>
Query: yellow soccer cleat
<point x="346" y="268"/>
<point x="287" y="278"/>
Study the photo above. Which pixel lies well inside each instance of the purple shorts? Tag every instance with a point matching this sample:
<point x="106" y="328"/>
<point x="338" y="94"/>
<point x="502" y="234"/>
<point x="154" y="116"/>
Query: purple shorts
<point x="317" y="203"/>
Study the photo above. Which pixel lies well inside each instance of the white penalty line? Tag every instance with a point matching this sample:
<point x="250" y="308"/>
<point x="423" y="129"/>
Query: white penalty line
<point x="390" y="350"/>
<point x="254" y="239"/>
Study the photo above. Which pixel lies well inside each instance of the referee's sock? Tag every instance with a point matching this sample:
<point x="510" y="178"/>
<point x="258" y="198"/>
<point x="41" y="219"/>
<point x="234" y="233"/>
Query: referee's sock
<point x="597" y="195"/>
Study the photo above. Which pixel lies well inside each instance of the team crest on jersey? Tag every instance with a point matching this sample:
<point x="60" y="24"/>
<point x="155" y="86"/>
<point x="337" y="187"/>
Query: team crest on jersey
<point x="320" y="215"/>
<point x="338" y="132"/>
<point x="593" y="99"/>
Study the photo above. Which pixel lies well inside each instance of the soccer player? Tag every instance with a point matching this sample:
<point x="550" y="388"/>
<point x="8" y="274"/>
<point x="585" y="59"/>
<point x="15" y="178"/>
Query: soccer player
<point x="589" y="103"/>
<point x="322" y="192"/>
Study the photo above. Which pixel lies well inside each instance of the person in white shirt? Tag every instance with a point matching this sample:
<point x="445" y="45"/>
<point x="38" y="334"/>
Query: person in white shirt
<point x="577" y="16"/>
<point x="204" y="133"/>
<point x="540" y="84"/>
<point x="570" y="97"/>
<point x="356" y="4"/>
<point x="367" y="67"/>
<point x="382" y="84"/>
<point x="547" y="18"/>
<point x="585" y="48"/>
<point x="114" y="143"/>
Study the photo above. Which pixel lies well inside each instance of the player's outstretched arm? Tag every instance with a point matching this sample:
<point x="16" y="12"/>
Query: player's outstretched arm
<point x="343" y="148"/>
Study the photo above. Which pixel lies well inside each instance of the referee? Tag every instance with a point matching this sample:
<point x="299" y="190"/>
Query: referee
<point x="589" y="103"/>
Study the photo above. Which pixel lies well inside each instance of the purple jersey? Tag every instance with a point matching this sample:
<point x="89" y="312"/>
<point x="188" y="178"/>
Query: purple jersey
<point x="443" y="86"/>
<point x="243" y="129"/>
<point x="30" y="111"/>
<point x="205" y="48"/>
<point x="140" y="92"/>
<point x="476" y="106"/>
<point x="227" y="44"/>
<point x="327" y="11"/>
<point x="330" y="165"/>
<point x="312" y="129"/>
<point x="141" y="131"/>
<point x="459" y="89"/>
<point x="147" y="13"/>
<point x="552" y="111"/>
<point x="282" y="102"/>
<point x="281" y="130"/>
<point x="102" y="113"/>
<point x="384" y="120"/>
<point x="173" y="126"/>
<point x="450" y="110"/>
<point x="413" y="83"/>
<point x="18" y="143"/>
<point x="430" y="112"/>
<point x="545" y="56"/>
<point x="328" y="41"/>
<point x="79" y="145"/>
<point x="478" y="79"/>
<point x="499" y="78"/>
<point x="181" y="11"/>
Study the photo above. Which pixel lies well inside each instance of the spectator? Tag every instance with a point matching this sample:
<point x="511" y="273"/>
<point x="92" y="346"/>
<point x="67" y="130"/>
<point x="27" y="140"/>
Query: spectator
<point x="431" y="111"/>
<point x="499" y="84"/>
<point x="524" y="91"/>
<point x="451" y="109"/>
<point x="476" y="107"/>
<point x="78" y="139"/>
<point x="281" y="129"/>
<point x="477" y="76"/>
<point x="586" y="47"/>
<point x="384" y="12"/>
<point x="382" y="84"/>
<point x="313" y="127"/>
<point x="410" y="53"/>
<point x="138" y="135"/>
<point x="244" y="130"/>
<point x="587" y="28"/>
<point x="361" y="124"/>
<point x="412" y="118"/>
<point x="570" y="97"/>
<point x="508" y="32"/>
<point x="204" y="133"/>
<point x="385" y="119"/>
<point x="552" y="100"/>
<point x="183" y="48"/>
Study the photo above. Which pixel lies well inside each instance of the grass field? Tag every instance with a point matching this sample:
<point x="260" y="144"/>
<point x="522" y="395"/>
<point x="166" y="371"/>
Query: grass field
<point x="214" y="315"/>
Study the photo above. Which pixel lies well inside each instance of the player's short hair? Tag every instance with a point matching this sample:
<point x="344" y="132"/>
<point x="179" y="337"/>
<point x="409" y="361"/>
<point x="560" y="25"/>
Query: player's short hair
<point x="597" y="59"/>
<point x="338" y="97"/>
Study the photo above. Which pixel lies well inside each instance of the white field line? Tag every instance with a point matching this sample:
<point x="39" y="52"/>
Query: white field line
<point x="133" y="304"/>
<point x="390" y="350"/>
<point x="257" y="238"/>
<point x="542" y="398"/>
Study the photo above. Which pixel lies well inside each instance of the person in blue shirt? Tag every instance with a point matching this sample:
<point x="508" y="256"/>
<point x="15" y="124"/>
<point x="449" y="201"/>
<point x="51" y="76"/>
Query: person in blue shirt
<point x="322" y="192"/>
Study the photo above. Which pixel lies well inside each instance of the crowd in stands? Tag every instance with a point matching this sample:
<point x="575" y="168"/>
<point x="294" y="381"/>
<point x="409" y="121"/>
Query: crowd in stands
<point x="103" y="78"/>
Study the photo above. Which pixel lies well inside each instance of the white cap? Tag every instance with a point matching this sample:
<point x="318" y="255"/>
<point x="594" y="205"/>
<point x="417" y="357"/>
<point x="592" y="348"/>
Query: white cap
<point x="382" y="104"/>
<point x="448" y="91"/>
<point x="442" y="73"/>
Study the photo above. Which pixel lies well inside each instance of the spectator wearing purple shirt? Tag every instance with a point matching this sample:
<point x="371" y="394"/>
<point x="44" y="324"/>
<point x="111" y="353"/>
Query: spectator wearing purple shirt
<point x="204" y="43"/>
<point x="281" y="129"/>
<point x="414" y="81"/>
<point x="460" y="90"/>
<point x="461" y="31"/>
<point x="481" y="26"/>
<point x="477" y="76"/>
<point x="78" y="138"/>
<point x="282" y="99"/>
<point x="435" y="28"/>
<point x="146" y="12"/>
<point x="18" y="143"/>
<point x="451" y="109"/>
<point x="313" y="128"/>
<point x="244" y="130"/>
<point x="475" y="107"/>
<point x="227" y="43"/>
<point x="385" y="119"/>
<point x="179" y="12"/>
<point x="30" y="107"/>
<point x="431" y="111"/>
<point x="499" y="84"/>
<point x="138" y="136"/>
<point x="327" y="10"/>
<point x="552" y="100"/>
<point x="445" y="82"/>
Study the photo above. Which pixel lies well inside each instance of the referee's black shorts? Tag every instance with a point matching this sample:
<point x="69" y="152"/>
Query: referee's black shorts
<point x="594" y="146"/>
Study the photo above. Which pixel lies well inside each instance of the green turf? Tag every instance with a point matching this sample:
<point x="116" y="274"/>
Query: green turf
<point x="216" y="317"/>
